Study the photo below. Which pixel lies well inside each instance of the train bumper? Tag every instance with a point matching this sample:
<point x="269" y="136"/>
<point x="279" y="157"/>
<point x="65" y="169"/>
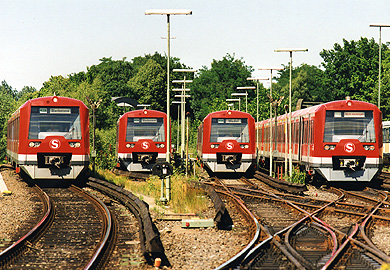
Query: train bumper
<point x="126" y="161"/>
<point x="325" y="167"/>
<point x="29" y="164"/>
<point x="247" y="160"/>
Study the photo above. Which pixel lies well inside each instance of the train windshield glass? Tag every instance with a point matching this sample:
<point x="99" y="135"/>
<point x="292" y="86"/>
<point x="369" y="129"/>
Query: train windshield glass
<point x="55" y="121"/>
<point x="229" y="129"/>
<point x="145" y="128"/>
<point x="349" y="125"/>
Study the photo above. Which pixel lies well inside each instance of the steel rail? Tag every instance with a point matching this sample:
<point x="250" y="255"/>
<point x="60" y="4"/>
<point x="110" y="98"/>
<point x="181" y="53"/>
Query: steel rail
<point x="239" y="256"/>
<point x="362" y="227"/>
<point x="342" y="248"/>
<point x="250" y="249"/>
<point x="107" y="230"/>
<point x="150" y="241"/>
<point x="332" y="260"/>
<point x="334" y="209"/>
<point x="311" y="216"/>
<point x="8" y="255"/>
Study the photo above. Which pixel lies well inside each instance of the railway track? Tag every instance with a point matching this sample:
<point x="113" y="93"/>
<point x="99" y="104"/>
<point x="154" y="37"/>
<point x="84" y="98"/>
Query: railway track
<point x="74" y="233"/>
<point x="78" y="231"/>
<point x="301" y="232"/>
<point x="149" y="236"/>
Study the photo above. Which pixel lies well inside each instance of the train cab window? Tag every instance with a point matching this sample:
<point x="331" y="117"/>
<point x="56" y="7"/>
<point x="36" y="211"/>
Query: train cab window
<point x="386" y="135"/>
<point x="349" y="125"/>
<point x="55" y="121"/>
<point x="229" y="129"/>
<point x="145" y="128"/>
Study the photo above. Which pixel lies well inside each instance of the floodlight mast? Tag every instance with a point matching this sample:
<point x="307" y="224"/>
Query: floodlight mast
<point x="270" y="116"/>
<point x="380" y="56"/>
<point x="290" y="50"/>
<point x="257" y="113"/>
<point x="168" y="13"/>
<point x="246" y="88"/>
<point x="183" y="107"/>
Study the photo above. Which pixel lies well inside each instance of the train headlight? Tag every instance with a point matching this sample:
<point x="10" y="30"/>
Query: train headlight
<point x="160" y="145"/>
<point x="329" y="147"/>
<point x="369" y="147"/>
<point x="74" y="144"/>
<point x="244" y="146"/>
<point x="130" y="145"/>
<point x="34" y="144"/>
<point x="214" y="145"/>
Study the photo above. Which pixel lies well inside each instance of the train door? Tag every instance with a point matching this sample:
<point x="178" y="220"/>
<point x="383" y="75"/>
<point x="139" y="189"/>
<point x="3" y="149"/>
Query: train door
<point x="300" y="137"/>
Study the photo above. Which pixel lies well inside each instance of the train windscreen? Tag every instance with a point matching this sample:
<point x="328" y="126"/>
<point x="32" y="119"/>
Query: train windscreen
<point x="145" y="128"/>
<point x="229" y="129"/>
<point x="349" y="125"/>
<point x="55" y="121"/>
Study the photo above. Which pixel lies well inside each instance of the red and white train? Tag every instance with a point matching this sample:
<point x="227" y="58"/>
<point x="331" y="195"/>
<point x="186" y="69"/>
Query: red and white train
<point x="336" y="141"/>
<point x="48" y="138"/>
<point x="226" y="142"/>
<point x="141" y="140"/>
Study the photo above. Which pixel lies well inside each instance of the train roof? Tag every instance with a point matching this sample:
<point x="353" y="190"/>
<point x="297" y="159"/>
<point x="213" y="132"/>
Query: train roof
<point x="53" y="100"/>
<point x="230" y="113"/>
<point x="332" y="105"/>
<point x="49" y="101"/>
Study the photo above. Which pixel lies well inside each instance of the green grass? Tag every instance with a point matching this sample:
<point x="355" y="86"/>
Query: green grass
<point x="184" y="198"/>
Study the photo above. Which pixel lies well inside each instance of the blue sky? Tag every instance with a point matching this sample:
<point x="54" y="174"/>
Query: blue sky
<point x="43" y="38"/>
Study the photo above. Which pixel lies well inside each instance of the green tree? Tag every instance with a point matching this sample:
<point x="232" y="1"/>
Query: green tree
<point x="148" y="85"/>
<point x="26" y="91"/>
<point x="306" y="84"/>
<point x="351" y="69"/>
<point x="7" y="107"/>
<point x="217" y="84"/>
<point x="385" y="86"/>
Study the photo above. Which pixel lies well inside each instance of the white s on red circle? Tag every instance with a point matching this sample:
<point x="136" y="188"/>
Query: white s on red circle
<point x="349" y="147"/>
<point x="145" y="145"/>
<point x="229" y="146"/>
<point x="55" y="144"/>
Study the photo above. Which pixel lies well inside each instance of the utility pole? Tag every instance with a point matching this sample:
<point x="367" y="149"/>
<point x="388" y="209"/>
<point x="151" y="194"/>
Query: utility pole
<point x="94" y="105"/>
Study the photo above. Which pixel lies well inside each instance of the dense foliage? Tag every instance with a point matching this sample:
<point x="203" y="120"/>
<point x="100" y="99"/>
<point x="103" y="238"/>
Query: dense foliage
<point x="349" y="69"/>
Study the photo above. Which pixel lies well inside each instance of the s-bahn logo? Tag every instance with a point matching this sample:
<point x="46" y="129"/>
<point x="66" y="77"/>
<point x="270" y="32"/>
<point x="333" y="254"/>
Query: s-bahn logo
<point x="55" y="144"/>
<point x="349" y="147"/>
<point x="145" y="145"/>
<point x="229" y="146"/>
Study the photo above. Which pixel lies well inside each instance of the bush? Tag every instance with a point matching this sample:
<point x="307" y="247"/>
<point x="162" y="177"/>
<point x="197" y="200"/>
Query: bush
<point x="105" y="148"/>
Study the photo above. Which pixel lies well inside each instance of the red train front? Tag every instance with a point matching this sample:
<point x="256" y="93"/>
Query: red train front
<point x="141" y="140"/>
<point x="226" y="142"/>
<point x="336" y="141"/>
<point x="48" y="138"/>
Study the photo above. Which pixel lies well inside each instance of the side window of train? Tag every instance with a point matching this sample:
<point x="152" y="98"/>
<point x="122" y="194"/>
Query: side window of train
<point x="311" y="131"/>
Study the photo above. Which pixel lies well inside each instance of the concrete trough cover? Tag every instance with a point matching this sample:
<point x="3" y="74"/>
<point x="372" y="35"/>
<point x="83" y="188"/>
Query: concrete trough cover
<point x="197" y="223"/>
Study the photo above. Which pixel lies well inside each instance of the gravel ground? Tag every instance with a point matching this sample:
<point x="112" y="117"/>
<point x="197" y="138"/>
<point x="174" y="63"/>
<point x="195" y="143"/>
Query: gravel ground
<point x="186" y="248"/>
<point x="319" y="193"/>
<point x="202" y="248"/>
<point x="17" y="208"/>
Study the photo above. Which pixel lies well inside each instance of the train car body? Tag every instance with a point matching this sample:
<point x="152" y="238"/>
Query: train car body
<point x="338" y="141"/>
<point x="48" y="138"/>
<point x="141" y="140"/>
<point x="226" y="142"/>
<point x="386" y="142"/>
